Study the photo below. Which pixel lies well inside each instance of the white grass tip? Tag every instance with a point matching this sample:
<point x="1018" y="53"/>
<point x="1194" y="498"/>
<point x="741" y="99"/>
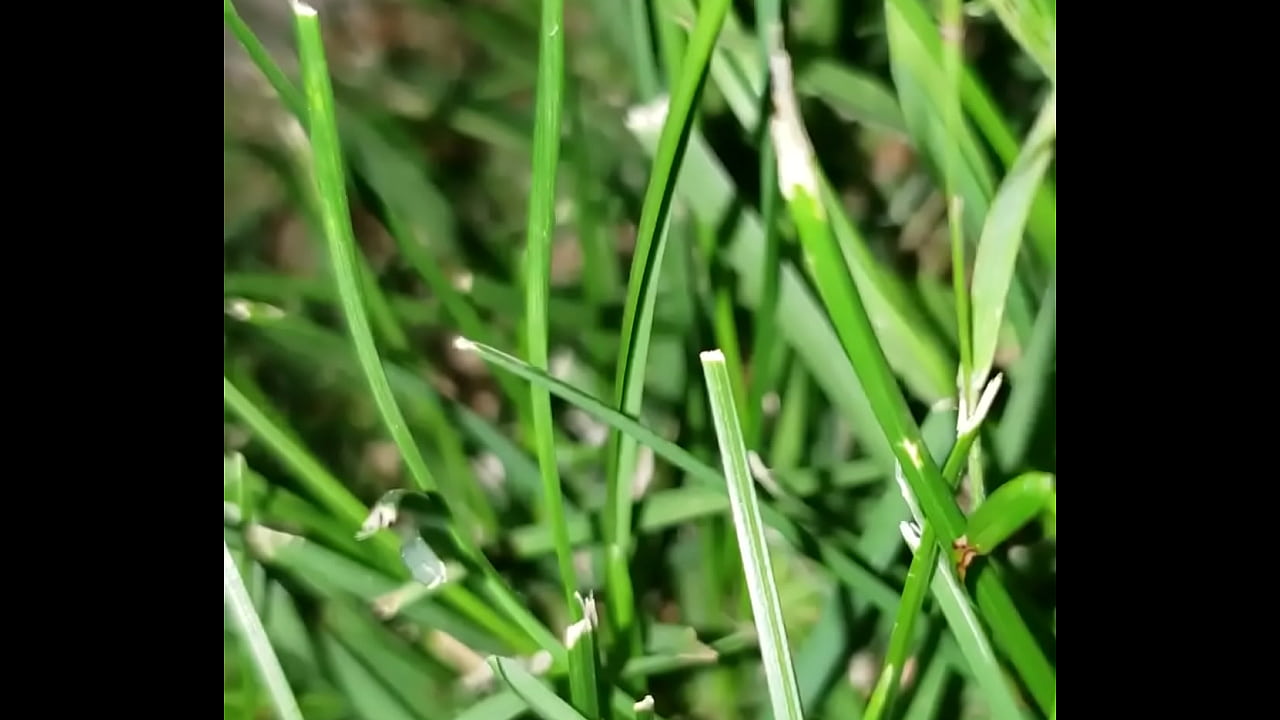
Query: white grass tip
<point x="910" y="534"/>
<point x="382" y="516"/>
<point x="645" y="704"/>
<point x="461" y="343"/>
<point x="707" y="356"/>
<point x="650" y="115"/>
<point x="590" y="620"/>
<point x="303" y="10"/>
<point x="795" y="158"/>
<point x="970" y="421"/>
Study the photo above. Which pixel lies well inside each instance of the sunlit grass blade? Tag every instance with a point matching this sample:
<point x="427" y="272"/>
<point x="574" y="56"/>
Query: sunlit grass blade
<point x="766" y="607"/>
<point x="637" y="322"/>
<point x="537" y="277"/>
<point x="264" y="656"/>
<point x="540" y="699"/>
<point x="993" y="267"/>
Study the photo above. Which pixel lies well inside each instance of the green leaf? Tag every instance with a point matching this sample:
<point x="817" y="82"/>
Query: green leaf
<point x="1010" y="507"/>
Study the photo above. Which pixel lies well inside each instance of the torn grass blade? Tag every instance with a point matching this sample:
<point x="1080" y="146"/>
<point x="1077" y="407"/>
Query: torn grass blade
<point x="419" y="557"/>
<point x="765" y="605"/>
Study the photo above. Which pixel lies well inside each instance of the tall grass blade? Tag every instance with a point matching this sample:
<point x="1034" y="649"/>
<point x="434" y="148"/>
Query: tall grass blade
<point x="539" y="235"/>
<point x="637" y="323"/>
<point x="756" y="564"/>
<point x="330" y="183"/>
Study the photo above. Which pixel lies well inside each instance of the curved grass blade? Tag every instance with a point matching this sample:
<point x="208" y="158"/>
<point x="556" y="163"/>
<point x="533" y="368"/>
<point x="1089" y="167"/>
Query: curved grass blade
<point x="331" y="188"/>
<point x="537" y="696"/>
<point x="642" y="288"/>
<point x="331" y="191"/>
<point x="1011" y="506"/>
<point x="766" y="607"/>
<point x="264" y="656"/>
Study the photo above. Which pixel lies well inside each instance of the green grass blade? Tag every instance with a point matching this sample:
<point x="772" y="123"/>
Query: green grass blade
<point x="537" y="696"/>
<point x="912" y="348"/>
<point x="993" y="268"/>
<point x="919" y="576"/>
<point x="972" y="640"/>
<point x="289" y="95"/>
<point x="331" y="188"/>
<point x="323" y="486"/>
<point x="1011" y="506"/>
<point x="637" y="323"/>
<point x="264" y="656"/>
<point x="331" y="191"/>
<point x="848" y="571"/>
<point x="539" y="235"/>
<point x="798" y="178"/>
<point x="766" y="607"/>
<point x="848" y="313"/>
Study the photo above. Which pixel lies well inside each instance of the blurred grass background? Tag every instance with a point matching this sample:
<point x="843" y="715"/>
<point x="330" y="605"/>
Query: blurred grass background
<point x="435" y="109"/>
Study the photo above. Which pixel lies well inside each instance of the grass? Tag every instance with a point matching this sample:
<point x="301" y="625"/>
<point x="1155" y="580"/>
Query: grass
<point x="480" y="459"/>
